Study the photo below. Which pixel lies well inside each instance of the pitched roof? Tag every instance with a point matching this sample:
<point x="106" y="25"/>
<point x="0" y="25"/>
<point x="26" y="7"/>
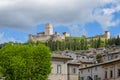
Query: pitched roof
<point x="60" y="56"/>
<point x="107" y="62"/>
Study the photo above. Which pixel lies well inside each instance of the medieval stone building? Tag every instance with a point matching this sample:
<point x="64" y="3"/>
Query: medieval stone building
<point x="48" y="34"/>
<point x="105" y="35"/>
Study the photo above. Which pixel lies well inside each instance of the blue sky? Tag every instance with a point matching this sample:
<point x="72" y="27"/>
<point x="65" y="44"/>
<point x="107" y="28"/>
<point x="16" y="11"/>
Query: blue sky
<point x="19" y="18"/>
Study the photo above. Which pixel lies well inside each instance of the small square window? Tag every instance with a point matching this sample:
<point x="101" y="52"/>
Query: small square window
<point x="96" y="68"/>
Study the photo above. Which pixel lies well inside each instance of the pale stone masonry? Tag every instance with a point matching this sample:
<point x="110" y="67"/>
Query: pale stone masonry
<point x="63" y="68"/>
<point x="69" y="65"/>
<point x="48" y="34"/>
<point x="73" y="71"/>
<point x="49" y="29"/>
<point x="105" y="35"/>
<point x="59" y="67"/>
<point x="109" y="70"/>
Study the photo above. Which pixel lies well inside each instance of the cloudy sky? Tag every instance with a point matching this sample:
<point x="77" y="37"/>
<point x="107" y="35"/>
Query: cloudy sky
<point x="18" y="18"/>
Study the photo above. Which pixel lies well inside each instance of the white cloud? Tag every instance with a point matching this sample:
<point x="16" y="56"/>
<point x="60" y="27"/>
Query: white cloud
<point x="23" y="14"/>
<point x="77" y="30"/>
<point x="1" y="36"/>
<point x="3" y="39"/>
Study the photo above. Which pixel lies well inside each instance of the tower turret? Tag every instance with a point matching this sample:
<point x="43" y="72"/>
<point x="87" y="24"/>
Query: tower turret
<point x="49" y="29"/>
<point x="107" y="34"/>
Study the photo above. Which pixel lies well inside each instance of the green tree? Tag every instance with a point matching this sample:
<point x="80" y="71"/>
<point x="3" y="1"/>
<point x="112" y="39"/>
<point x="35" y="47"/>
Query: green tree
<point x="25" y="62"/>
<point x="99" y="58"/>
<point x="98" y="42"/>
<point x="117" y="40"/>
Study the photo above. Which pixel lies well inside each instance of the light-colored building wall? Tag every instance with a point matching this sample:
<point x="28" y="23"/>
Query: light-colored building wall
<point x="91" y="72"/>
<point x="107" y="34"/>
<point x="58" y="37"/>
<point x="73" y="71"/>
<point x="58" y="76"/>
<point x="59" y="67"/>
<point x="66" y="34"/>
<point x="38" y="38"/>
<point x="110" y="68"/>
<point x="63" y="68"/>
<point x="49" y="29"/>
<point x="114" y="67"/>
<point x="111" y="55"/>
<point x="48" y="34"/>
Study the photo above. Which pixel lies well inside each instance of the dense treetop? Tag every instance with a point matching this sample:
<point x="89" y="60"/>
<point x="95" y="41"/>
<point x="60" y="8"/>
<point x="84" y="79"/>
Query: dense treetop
<point x="81" y="43"/>
<point x="25" y="62"/>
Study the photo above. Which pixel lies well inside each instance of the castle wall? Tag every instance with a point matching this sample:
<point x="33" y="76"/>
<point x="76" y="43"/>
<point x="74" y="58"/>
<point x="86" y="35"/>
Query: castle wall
<point x="43" y="36"/>
<point x="55" y="38"/>
<point x="39" y="38"/>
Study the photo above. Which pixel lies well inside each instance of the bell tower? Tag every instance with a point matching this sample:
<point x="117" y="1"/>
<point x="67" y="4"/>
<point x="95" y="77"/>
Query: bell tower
<point x="49" y="29"/>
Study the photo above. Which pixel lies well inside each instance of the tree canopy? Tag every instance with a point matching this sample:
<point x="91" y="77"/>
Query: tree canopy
<point x="81" y="43"/>
<point x="25" y="62"/>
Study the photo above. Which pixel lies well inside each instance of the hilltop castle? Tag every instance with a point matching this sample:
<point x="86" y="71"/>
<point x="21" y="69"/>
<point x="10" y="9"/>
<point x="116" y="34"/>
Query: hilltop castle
<point x="48" y="34"/>
<point x="105" y="35"/>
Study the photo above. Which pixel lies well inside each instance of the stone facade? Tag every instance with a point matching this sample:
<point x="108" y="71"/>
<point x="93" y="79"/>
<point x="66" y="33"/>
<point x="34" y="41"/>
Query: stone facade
<point x="63" y="68"/>
<point x="111" y="55"/>
<point x="59" y="70"/>
<point x="105" y="71"/>
<point x="105" y="35"/>
<point x="73" y="71"/>
<point x="69" y="65"/>
<point x="59" y="67"/>
<point x="49" y="29"/>
<point x="48" y="34"/>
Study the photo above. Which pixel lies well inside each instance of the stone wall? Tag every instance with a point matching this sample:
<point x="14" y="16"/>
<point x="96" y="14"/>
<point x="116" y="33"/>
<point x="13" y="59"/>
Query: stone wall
<point x="56" y="76"/>
<point x="71" y="74"/>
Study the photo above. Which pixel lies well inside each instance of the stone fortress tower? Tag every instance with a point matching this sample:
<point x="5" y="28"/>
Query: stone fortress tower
<point x="49" y="29"/>
<point x="107" y="34"/>
<point x="48" y="34"/>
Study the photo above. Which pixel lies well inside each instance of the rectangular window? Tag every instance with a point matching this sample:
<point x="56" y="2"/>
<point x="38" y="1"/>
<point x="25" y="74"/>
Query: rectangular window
<point x="110" y="57"/>
<point x="105" y="74"/>
<point x="81" y="71"/>
<point x="82" y="78"/>
<point x="96" y="68"/>
<point x="88" y="70"/>
<point x="95" y="77"/>
<point x="118" y="72"/>
<point x="99" y="78"/>
<point x="59" y="69"/>
<point x="74" y="70"/>
<point x="111" y="74"/>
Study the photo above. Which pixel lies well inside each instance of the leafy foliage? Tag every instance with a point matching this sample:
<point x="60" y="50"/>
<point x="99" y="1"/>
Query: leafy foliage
<point x="98" y="56"/>
<point x="25" y="62"/>
<point x="79" y="43"/>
